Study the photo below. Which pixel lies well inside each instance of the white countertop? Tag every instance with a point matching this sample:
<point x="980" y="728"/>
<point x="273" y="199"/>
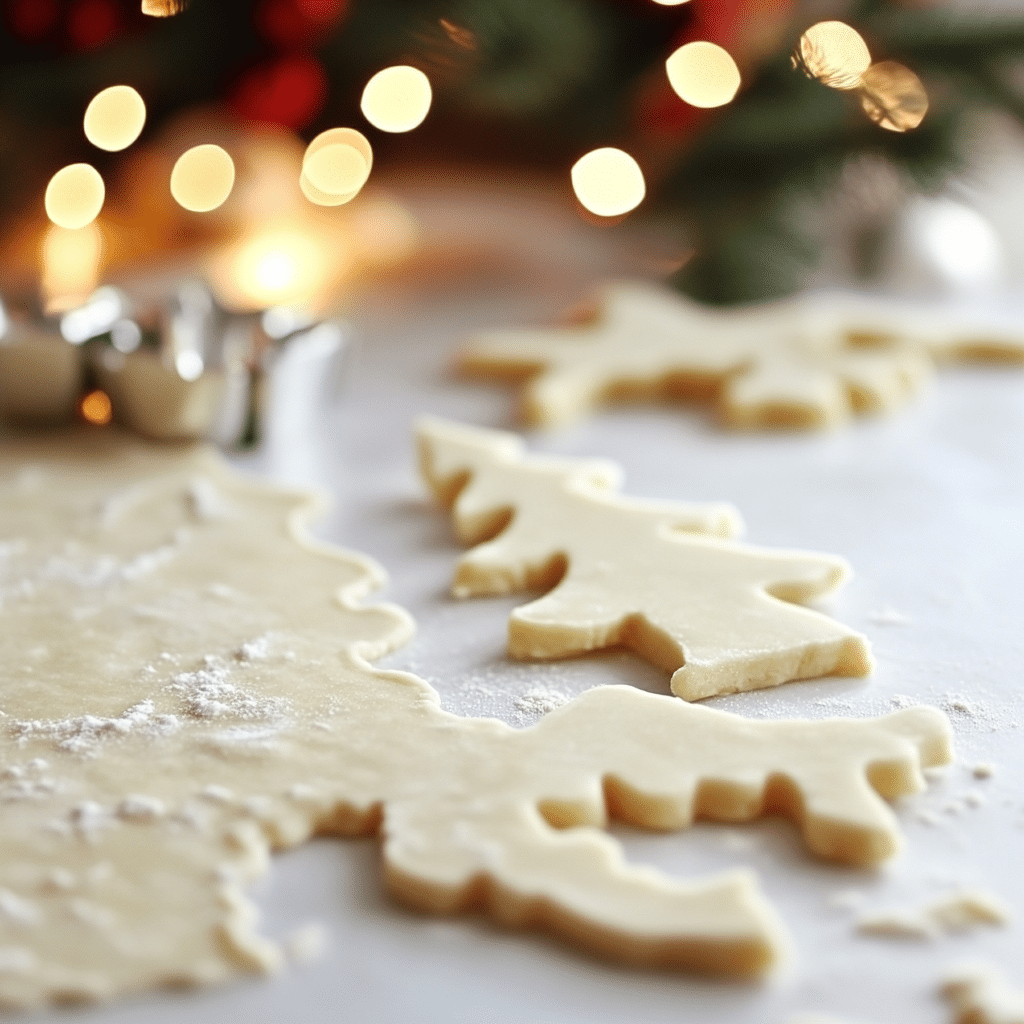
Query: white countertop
<point x="927" y="505"/>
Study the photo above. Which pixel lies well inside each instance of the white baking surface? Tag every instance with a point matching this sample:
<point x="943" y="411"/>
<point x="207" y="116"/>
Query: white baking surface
<point x="926" y="505"/>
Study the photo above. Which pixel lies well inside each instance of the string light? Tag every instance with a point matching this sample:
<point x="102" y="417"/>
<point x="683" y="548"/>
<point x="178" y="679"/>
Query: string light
<point x="114" y="118"/>
<point x="893" y="96"/>
<point x="337" y="169"/>
<point x="396" y="99"/>
<point x="703" y="74"/>
<point x="163" y="8"/>
<point x="835" y="54"/>
<point x="95" y="408"/>
<point x="335" y="166"/>
<point x="74" y="196"/>
<point x="202" y="178"/>
<point x="608" y="182"/>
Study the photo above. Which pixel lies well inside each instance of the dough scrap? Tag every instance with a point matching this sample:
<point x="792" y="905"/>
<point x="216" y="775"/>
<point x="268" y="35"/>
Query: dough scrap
<point x="650" y="575"/>
<point x="185" y="687"/>
<point x="954" y="913"/>
<point x="980" y="994"/>
<point x="808" y="362"/>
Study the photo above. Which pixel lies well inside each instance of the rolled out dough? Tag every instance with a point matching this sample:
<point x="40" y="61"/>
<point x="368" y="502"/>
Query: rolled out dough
<point x="185" y="686"/>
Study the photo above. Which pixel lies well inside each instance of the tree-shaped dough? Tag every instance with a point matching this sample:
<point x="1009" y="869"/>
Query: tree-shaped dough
<point x="645" y="574"/>
<point x="806" y="362"/>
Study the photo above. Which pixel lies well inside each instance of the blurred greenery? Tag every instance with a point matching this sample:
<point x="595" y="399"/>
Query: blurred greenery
<point x="751" y="187"/>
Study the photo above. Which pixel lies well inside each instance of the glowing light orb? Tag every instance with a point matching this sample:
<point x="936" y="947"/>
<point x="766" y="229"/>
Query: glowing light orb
<point x="95" y="408"/>
<point x="189" y="365"/>
<point x="893" y="96"/>
<point x="71" y="262"/>
<point x="671" y="3"/>
<point x="163" y="8"/>
<point x="280" y="266"/>
<point x="835" y="54"/>
<point x="114" y="118"/>
<point x="396" y="99"/>
<point x="202" y="178"/>
<point x="74" y="196"/>
<point x="703" y="74"/>
<point x="958" y="241"/>
<point x="608" y="182"/>
<point x="338" y="170"/>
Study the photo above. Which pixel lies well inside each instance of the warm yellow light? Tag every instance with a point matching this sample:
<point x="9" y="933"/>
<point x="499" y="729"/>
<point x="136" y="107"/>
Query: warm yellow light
<point x="893" y="96"/>
<point x="203" y="178"/>
<point x="163" y="8"/>
<point x="114" y="118"/>
<point x="96" y="408"/>
<point x="71" y="261"/>
<point x="396" y="99"/>
<point x="338" y="169"/>
<point x="74" y="196"/>
<point x="835" y="54"/>
<point x="608" y="182"/>
<point x="703" y="74"/>
<point x="277" y="267"/>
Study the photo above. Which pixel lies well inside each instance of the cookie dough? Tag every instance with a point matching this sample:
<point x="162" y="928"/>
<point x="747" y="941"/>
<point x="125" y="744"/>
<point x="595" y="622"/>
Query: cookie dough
<point x="185" y="687"/>
<point x="812" y="361"/>
<point x="953" y="913"/>
<point x="980" y="994"/>
<point x="649" y="575"/>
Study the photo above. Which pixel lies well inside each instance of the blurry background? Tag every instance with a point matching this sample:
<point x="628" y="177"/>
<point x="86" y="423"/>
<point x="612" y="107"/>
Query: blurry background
<point x="809" y="172"/>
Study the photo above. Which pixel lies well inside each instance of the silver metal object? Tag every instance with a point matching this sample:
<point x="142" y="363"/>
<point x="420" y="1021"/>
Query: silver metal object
<point x="179" y="367"/>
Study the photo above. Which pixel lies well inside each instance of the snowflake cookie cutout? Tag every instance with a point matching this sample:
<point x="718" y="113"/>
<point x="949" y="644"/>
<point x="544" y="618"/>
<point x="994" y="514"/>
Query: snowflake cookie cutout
<point x="662" y="578"/>
<point x="807" y="362"/>
<point x="223" y="707"/>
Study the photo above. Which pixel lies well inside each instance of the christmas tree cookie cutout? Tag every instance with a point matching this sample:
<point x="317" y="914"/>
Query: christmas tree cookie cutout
<point x="186" y="688"/>
<point x="662" y="578"/>
<point x="809" y="362"/>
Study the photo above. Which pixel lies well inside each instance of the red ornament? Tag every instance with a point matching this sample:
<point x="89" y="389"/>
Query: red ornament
<point x="291" y="24"/>
<point x="289" y="91"/>
<point x="93" y="23"/>
<point x="31" y="19"/>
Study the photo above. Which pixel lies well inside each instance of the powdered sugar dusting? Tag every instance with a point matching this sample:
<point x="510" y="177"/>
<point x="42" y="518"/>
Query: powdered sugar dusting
<point x="86" y="734"/>
<point x="540" y="700"/>
<point x="208" y="692"/>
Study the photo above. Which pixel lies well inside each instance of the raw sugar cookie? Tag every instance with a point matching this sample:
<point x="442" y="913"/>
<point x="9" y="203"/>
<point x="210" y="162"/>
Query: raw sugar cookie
<point x="808" y="362"/>
<point x="185" y="687"/>
<point x="980" y="994"/>
<point x="649" y="575"/>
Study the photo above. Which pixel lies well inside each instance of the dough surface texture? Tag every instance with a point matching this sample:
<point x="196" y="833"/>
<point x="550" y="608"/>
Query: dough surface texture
<point x="809" y="362"/>
<point x="650" y="575"/>
<point x="185" y="687"/>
